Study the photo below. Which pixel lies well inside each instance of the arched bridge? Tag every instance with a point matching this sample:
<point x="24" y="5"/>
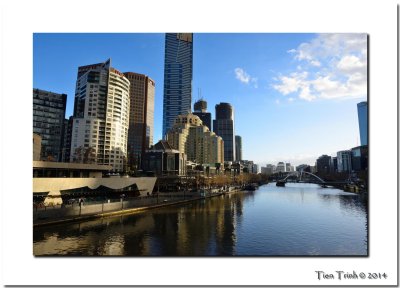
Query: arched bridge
<point x="306" y="177"/>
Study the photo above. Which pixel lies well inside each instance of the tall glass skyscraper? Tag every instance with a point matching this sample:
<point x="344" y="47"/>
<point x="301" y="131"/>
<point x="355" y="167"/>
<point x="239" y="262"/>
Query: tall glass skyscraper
<point x="178" y="75"/>
<point x="223" y="126"/>
<point x="362" y="108"/>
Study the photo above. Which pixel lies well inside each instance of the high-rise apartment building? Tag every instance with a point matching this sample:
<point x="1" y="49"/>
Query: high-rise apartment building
<point x="178" y="75"/>
<point x="101" y="116"/>
<point x="48" y="122"/>
<point x="200" y="110"/>
<point x="238" y="148"/>
<point x="362" y="109"/>
<point x="223" y="126"/>
<point x="141" y="117"/>
<point x="190" y="136"/>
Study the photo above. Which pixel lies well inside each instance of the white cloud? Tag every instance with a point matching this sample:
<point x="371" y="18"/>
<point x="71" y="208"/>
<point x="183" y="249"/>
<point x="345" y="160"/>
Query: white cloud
<point x="292" y="83"/>
<point x="244" y="77"/>
<point x="334" y="66"/>
<point x="352" y="64"/>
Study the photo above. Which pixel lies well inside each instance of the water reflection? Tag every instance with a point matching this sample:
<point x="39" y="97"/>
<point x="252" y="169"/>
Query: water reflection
<point x="299" y="219"/>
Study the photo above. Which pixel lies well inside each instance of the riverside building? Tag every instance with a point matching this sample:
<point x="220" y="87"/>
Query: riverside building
<point x="224" y="126"/>
<point x="190" y="136"/>
<point x="48" y="122"/>
<point x="141" y="117"/>
<point x="101" y="116"/>
<point x="178" y="76"/>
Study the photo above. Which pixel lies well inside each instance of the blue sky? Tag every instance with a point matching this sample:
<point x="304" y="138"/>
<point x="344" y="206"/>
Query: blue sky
<point x="295" y="95"/>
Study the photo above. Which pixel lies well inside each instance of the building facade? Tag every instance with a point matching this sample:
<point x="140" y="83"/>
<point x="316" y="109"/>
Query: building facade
<point x="66" y="148"/>
<point x="344" y="161"/>
<point x="141" y="117"/>
<point x="223" y="126"/>
<point x="163" y="160"/>
<point x="101" y="116"/>
<point x="281" y="167"/>
<point x="359" y="158"/>
<point x="362" y="109"/>
<point x="323" y="164"/>
<point x="190" y="136"/>
<point x="178" y="76"/>
<point x="238" y="148"/>
<point x="37" y="147"/>
<point x="200" y="110"/>
<point x="48" y="122"/>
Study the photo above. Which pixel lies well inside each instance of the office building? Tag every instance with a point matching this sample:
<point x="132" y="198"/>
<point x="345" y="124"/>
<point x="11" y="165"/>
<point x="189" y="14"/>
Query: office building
<point x="66" y="149"/>
<point x="223" y="126"/>
<point x="141" y="117"/>
<point x="200" y="110"/>
<point x="303" y="168"/>
<point x="178" y="76"/>
<point x="162" y="159"/>
<point x="281" y="167"/>
<point x="344" y="161"/>
<point x="101" y="116"/>
<point x="362" y="109"/>
<point x="48" y="121"/>
<point x="190" y="136"/>
<point x="238" y="148"/>
<point x="359" y="158"/>
<point x="323" y="164"/>
<point x="37" y="146"/>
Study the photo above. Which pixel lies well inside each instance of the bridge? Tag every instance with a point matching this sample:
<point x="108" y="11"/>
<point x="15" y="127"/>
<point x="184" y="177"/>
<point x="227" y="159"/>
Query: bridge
<point x="307" y="177"/>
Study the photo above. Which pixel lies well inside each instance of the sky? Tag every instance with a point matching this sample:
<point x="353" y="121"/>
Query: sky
<point x="294" y="95"/>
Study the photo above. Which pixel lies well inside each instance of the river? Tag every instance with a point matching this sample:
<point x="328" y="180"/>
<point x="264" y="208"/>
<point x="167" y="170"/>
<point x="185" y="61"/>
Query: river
<point x="299" y="219"/>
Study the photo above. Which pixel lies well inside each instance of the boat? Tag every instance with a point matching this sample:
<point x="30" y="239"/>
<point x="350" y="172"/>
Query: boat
<point x="280" y="183"/>
<point x="250" y="187"/>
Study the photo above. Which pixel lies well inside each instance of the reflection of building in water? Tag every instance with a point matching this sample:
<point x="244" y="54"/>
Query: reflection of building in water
<point x="201" y="228"/>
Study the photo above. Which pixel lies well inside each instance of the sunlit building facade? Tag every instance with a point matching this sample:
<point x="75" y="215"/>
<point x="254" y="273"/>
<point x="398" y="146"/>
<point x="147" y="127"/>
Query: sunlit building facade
<point x="101" y="116"/>
<point x="141" y="117"/>
<point x="190" y="136"/>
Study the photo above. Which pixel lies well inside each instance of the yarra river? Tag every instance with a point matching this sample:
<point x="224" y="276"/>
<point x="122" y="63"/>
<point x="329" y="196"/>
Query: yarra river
<point x="299" y="219"/>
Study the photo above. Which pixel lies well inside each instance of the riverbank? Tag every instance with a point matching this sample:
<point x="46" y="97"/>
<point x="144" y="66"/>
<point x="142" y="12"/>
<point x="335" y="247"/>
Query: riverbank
<point x="124" y="211"/>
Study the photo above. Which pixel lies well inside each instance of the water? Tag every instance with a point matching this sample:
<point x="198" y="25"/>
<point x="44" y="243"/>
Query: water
<point x="299" y="219"/>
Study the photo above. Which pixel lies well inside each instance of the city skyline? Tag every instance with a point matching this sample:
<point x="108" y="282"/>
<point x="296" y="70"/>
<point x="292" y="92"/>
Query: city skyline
<point x="295" y="95"/>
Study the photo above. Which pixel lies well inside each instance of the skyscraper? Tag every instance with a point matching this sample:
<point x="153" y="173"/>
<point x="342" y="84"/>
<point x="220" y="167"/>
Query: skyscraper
<point x="223" y="126"/>
<point x="101" y="116"/>
<point x="362" y="109"/>
<point x="178" y="75"/>
<point x="48" y="122"/>
<point x="141" y="117"/>
<point x="200" y="110"/>
<point x="238" y="148"/>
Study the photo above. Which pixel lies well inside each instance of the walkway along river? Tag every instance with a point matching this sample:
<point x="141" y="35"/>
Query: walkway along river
<point x="299" y="219"/>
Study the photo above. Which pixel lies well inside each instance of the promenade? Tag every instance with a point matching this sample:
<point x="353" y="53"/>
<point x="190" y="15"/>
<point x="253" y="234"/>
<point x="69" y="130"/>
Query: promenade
<point x="53" y="215"/>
